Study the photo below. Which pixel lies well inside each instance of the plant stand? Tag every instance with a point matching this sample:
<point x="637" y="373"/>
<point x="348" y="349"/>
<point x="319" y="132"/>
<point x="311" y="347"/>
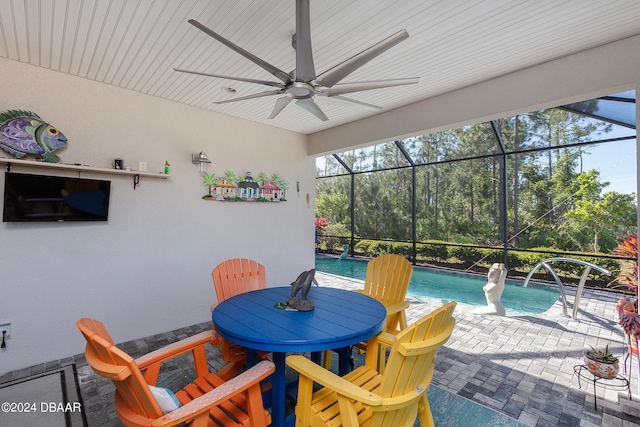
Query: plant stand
<point x="617" y="383"/>
<point x="627" y="405"/>
<point x="631" y="344"/>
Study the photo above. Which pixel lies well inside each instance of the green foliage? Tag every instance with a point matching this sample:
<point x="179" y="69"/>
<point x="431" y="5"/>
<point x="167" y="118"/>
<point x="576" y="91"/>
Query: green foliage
<point x="378" y="248"/>
<point x="442" y="252"/>
<point x="465" y="253"/>
<point x="401" y="248"/>
<point x="362" y="247"/>
<point x="374" y="248"/>
<point x="459" y="183"/>
<point x="333" y="206"/>
<point x="231" y="176"/>
<point x="489" y="256"/>
<point x="525" y="260"/>
<point x="263" y="178"/>
<point x="434" y="250"/>
<point x="628" y="269"/>
<point x="209" y="180"/>
<point x="596" y="213"/>
<point x="602" y="355"/>
<point x="332" y="237"/>
<point x="515" y="260"/>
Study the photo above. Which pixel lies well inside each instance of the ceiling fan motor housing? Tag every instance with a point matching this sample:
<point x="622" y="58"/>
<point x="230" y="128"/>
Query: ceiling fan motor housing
<point x="300" y="90"/>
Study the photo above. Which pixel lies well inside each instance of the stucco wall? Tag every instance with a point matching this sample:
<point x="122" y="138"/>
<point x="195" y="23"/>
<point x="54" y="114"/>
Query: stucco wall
<point x="147" y="269"/>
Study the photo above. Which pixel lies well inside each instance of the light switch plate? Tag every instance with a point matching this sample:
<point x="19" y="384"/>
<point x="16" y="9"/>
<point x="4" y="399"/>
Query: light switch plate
<point x="142" y="166"/>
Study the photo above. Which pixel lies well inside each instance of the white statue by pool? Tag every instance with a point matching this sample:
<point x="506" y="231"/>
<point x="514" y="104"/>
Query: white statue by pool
<point x="493" y="291"/>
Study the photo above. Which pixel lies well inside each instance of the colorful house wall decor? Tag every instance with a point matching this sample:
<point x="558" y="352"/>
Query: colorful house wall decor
<point x="271" y="191"/>
<point x="225" y="188"/>
<point x="248" y="189"/>
<point x="245" y="188"/>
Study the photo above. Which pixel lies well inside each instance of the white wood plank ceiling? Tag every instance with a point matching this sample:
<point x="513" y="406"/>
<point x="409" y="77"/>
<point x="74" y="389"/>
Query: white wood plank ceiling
<point x="135" y="44"/>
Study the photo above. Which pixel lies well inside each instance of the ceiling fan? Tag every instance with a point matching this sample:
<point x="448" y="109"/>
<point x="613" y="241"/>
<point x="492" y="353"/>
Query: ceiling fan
<point x="303" y="84"/>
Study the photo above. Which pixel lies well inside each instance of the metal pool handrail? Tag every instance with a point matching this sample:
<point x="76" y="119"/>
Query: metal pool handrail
<point x="583" y="279"/>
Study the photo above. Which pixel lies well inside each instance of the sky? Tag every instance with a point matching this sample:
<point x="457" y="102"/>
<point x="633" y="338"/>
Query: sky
<point x="616" y="162"/>
<point x="617" y="166"/>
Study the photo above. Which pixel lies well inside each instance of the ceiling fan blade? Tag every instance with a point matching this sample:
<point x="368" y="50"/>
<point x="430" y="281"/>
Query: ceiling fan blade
<point x="312" y="107"/>
<point x="285" y="77"/>
<point x="340" y="89"/>
<point x="340" y="71"/>
<point x="255" y="95"/>
<point x="343" y="99"/>
<point x="305" y="70"/>
<point x="240" y="79"/>
<point x="280" y="104"/>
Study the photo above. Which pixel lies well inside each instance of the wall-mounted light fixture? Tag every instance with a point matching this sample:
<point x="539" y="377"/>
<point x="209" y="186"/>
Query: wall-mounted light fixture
<point x="201" y="160"/>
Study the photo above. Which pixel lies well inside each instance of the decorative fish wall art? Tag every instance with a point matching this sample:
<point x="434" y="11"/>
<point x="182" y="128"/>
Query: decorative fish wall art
<point x="24" y="132"/>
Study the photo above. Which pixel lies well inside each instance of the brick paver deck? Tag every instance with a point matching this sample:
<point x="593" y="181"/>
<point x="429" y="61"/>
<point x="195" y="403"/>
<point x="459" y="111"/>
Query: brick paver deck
<point x="523" y="366"/>
<point x="520" y="366"/>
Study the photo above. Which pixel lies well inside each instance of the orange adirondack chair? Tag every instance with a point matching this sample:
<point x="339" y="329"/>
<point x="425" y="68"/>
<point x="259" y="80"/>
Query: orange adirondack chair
<point x="367" y="397"/>
<point x="233" y="277"/>
<point x="387" y="281"/>
<point x="208" y="400"/>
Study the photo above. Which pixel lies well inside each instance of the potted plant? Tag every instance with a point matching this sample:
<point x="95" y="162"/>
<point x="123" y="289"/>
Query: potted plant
<point x="628" y="311"/>
<point x="628" y="279"/>
<point x="601" y="363"/>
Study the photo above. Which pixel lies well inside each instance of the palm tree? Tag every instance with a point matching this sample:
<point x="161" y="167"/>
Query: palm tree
<point x="263" y="178"/>
<point x="209" y="180"/>
<point x="231" y="176"/>
<point x="284" y="185"/>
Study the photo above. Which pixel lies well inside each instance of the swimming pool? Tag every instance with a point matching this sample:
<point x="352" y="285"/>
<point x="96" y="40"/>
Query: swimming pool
<point x="459" y="287"/>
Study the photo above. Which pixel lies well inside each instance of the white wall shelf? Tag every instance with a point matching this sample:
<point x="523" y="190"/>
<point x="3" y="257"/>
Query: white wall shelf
<point x="82" y="168"/>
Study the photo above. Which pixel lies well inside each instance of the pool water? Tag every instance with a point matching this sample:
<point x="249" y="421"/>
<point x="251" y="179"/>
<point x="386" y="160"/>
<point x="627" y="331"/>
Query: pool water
<point x="451" y="286"/>
<point x="449" y="409"/>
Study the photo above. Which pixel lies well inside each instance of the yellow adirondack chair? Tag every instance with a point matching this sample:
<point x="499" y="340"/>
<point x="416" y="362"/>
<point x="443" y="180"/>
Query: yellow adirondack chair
<point x="207" y="401"/>
<point x="232" y="277"/>
<point x="366" y="397"/>
<point x="387" y="281"/>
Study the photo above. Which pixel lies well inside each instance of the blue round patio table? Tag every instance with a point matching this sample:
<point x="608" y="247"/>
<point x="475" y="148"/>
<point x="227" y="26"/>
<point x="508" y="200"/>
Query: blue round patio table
<point x="340" y="319"/>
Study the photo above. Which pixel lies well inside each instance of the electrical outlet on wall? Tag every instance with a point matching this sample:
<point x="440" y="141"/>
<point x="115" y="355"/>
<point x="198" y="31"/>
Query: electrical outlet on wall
<point x="6" y="328"/>
<point x="142" y="166"/>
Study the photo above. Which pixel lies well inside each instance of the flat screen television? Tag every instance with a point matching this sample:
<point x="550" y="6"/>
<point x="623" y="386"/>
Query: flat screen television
<point x="44" y="198"/>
